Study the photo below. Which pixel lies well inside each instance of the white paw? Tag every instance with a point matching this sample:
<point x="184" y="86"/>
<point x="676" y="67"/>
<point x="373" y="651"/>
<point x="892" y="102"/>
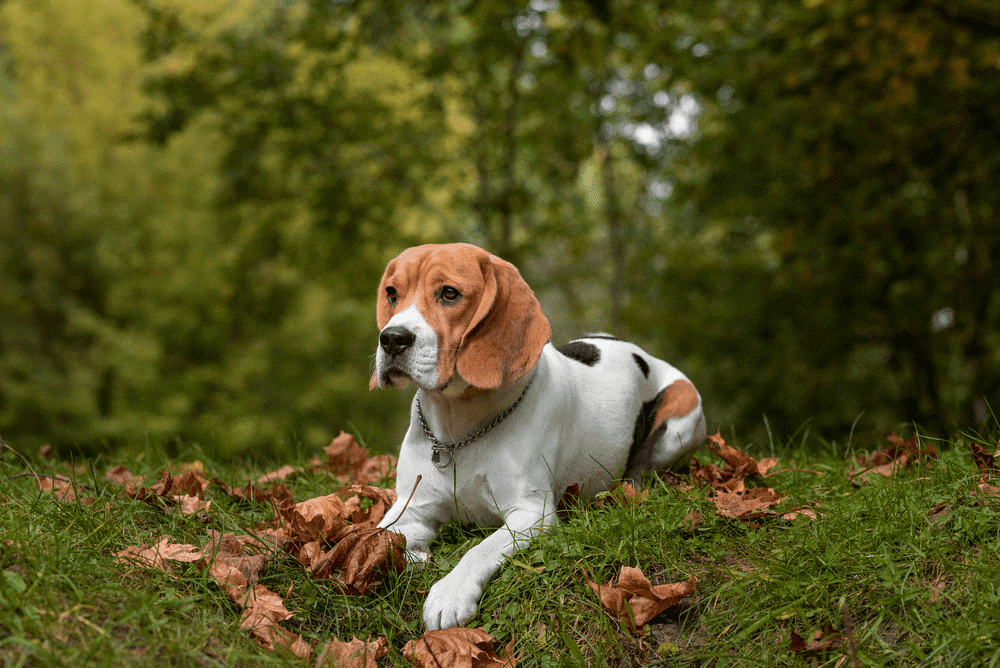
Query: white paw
<point x="452" y="601"/>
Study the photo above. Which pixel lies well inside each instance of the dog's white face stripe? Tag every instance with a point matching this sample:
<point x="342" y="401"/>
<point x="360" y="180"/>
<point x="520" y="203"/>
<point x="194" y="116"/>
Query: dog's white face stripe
<point x="418" y="362"/>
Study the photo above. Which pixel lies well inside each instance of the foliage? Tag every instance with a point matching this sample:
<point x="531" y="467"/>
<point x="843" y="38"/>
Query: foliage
<point x="795" y="202"/>
<point x="861" y="135"/>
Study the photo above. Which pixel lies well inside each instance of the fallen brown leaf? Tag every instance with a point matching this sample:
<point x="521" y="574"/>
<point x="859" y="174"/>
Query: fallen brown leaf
<point x="456" y="648"/>
<point x="740" y="462"/>
<point x="122" y="475"/>
<point x="157" y="556"/>
<point x="824" y="639"/>
<point x="634" y="601"/>
<point x="899" y="455"/>
<point x="362" y="555"/>
<point x="348" y="461"/>
<point x="623" y="494"/>
<point x="376" y="468"/>
<point x="281" y="474"/>
<point x="249" y="492"/>
<point x="190" y="505"/>
<point x="739" y="466"/>
<point x="234" y="562"/>
<point x="380" y="497"/>
<point x="63" y="489"/>
<point x="294" y="529"/>
<point x="191" y="482"/>
<point x="570" y="499"/>
<point x="739" y="505"/>
<point x="262" y="616"/>
<point x="352" y="654"/>
<point x="800" y="511"/>
<point x="988" y="465"/>
<point x="691" y="520"/>
<point x="329" y="514"/>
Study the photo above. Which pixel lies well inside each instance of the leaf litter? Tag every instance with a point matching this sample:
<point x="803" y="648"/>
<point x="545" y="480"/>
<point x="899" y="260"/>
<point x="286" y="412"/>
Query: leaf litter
<point x="900" y="454"/>
<point x="731" y="496"/>
<point x="335" y="537"/>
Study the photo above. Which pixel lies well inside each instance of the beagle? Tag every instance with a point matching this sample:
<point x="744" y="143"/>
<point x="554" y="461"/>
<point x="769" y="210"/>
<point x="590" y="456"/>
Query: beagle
<point x="502" y="421"/>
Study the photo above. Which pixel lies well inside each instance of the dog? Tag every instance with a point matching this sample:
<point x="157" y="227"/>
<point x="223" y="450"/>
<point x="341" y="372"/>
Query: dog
<point x="502" y="421"/>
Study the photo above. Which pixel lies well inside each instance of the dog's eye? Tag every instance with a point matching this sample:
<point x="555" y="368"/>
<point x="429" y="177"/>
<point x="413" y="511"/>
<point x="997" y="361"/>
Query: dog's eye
<point x="450" y="294"/>
<point x="390" y="294"/>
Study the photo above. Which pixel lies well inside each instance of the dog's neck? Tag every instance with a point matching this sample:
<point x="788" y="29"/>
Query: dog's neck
<point x="459" y="409"/>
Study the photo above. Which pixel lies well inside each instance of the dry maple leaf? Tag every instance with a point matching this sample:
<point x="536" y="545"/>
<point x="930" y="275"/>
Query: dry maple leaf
<point x="456" y="648"/>
<point x="740" y="462"/>
<point x="328" y="514"/>
<point x="249" y="492"/>
<point x="741" y="505"/>
<point x="570" y="498"/>
<point x="691" y="520"/>
<point x="634" y="601"/>
<point x="234" y="562"/>
<point x="294" y="529"/>
<point x="191" y="482"/>
<point x="189" y="505"/>
<point x="800" y="511"/>
<point x="380" y="497"/>
<point x="352" y="654"/>
<point x="261" y="603"/>
<point x="185" y="490"/>
<point x="900" y="454"/>
<point x="739" y="466"/>
<point x="163" y="550"/>
<point x="122" y="475"/>
<point x="377" y="467"/>
<point x="622" y="494"/>
<point x="281" y="473"/>
<point x="362" y="554"/>
<point x="63" y="489"/>
<point x="988" y="465"/>
<point x="262" y="616"/>
<point x="348" y="461"/>
<point x="823" y="640"/>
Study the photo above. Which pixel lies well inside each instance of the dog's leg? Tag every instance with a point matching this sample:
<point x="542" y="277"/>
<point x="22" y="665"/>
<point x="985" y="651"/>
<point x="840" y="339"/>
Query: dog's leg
<point x="419" y="530"/>
<point x="454" y="599"/>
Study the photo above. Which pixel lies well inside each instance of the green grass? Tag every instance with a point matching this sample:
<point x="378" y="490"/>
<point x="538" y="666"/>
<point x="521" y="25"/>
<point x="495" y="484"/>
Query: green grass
<point x="911" y="589"/>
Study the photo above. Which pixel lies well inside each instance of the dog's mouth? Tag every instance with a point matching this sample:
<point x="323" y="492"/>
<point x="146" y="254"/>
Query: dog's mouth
<point x="395" y="378"/>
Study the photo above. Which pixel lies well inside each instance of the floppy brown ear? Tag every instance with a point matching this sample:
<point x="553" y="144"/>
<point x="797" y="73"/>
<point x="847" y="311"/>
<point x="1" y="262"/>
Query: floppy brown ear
<point x="506" y="336"/>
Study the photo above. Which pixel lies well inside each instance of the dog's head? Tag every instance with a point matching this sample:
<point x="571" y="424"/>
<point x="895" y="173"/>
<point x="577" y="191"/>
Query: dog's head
<point x="453" y="312"/>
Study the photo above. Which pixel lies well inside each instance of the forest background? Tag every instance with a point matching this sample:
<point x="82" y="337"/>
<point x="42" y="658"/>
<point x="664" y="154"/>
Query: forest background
<point x="796" y="202"/>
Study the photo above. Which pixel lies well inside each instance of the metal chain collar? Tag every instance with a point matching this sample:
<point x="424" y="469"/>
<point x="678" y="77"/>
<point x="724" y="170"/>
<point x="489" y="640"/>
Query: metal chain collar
<point x="450" y="448"/>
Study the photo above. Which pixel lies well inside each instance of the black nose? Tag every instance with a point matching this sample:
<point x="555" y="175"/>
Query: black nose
<point x="396" y="339"/>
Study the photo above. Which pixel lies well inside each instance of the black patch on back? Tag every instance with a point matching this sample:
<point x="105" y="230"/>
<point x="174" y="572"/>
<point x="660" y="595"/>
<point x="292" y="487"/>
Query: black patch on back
<point x="581" y="351"/>
<point x="644" y="436"/>
<point x="643" y="365"/>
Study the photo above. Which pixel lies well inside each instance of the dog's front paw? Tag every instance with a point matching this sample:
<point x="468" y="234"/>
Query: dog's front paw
<point x="452" y="601"/>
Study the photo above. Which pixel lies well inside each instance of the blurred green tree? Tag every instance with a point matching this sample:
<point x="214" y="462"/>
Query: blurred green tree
<point x="862" y="137"/>
<point x="795" y="201"/>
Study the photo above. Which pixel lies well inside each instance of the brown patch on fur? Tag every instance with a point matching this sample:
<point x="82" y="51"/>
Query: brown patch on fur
<point x="679" y="399"/>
